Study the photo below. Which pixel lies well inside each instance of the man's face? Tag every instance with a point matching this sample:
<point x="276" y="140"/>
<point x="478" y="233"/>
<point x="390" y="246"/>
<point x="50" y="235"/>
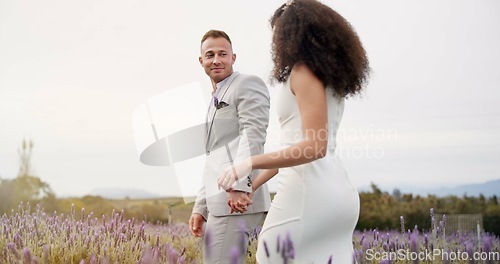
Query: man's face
<point x="217" y="58"/>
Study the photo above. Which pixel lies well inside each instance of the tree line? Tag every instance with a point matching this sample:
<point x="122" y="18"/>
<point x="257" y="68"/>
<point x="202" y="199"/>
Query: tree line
<point x="382" y="210"/>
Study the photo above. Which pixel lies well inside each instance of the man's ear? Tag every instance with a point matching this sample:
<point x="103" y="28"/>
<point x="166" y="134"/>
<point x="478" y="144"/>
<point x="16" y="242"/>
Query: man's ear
<point x="201" y="60"/>
<point x="234" y="58"/>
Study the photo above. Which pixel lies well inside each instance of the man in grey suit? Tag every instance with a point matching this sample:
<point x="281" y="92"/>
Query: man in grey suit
<point x="237" y="121"/>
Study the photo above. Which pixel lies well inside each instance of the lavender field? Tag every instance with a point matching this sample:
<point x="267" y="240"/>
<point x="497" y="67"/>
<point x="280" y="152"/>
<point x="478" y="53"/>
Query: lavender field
<point x="30" y="235"/>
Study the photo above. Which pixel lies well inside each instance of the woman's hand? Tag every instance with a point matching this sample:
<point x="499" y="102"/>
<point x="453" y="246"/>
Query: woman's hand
<point x="234" y="173"/>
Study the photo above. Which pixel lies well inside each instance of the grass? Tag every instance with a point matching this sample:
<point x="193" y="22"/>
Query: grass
<point x="180" y="212"/>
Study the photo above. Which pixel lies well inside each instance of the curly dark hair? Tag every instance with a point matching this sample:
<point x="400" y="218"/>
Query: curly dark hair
<point x="309" y="32"/>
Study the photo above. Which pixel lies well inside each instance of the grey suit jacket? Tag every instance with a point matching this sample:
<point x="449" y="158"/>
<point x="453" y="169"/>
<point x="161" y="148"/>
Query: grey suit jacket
<point x="233" y="133"/>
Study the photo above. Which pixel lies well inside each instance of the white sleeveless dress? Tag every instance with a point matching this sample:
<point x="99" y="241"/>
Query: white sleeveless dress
<point x="316" y="207"/>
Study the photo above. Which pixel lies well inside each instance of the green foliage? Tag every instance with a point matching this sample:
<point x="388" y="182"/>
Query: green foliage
<point x="97" y="205"/>
<point x="491" y="219"/>
<point x="6" y="195"/>
<point x="382" y="210"/>
<point x="25" y="187"/>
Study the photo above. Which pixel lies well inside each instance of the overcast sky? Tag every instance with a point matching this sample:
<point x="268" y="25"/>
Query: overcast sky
<point x="72" y="74"/>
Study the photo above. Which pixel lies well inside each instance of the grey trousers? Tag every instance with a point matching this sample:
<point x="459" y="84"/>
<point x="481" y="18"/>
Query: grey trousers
<point x="226" y="237"/>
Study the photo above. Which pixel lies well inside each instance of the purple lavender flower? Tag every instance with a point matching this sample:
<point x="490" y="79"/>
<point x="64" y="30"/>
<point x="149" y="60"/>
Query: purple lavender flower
<point x="414" y="245"/>
<point x="443" y="227"/>
<point x="235" y="255"/>
<point x="147" y="256"/>
<point x="469" y="249"/>
<point x="12" y="247"/>
<point x="284" y="251"/>
<point x="266" y="249"/>
<point x="290" y="251"/>
<point x="359" y="255"/>
<point x="174" y="255"/>
<point x="104" y="260"/>
<point x="46" y="254"/>
<point x="157" y="239"/>
<point x="445" y="257"/>
<point x="278" y="244"/>
<point x="18" y="240"/>
<point x="243" y="235"/>
<point x="487" y="247"/>
<point x="6" y="231"/>
<point x="433" y="220"/>
<point x="402" y="220"/>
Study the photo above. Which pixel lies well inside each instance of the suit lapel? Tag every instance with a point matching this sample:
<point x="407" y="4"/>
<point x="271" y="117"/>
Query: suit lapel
<point x="223" y="91"/>
<point x="225" y="88"/>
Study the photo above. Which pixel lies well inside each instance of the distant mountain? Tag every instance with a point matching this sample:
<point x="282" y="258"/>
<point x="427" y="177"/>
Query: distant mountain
<point x="488" y="189"/>
<point x="122" y="193"/>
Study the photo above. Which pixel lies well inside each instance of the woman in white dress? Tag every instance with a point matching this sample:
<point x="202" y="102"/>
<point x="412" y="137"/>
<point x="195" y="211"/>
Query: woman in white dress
<point x="321" y="61"/>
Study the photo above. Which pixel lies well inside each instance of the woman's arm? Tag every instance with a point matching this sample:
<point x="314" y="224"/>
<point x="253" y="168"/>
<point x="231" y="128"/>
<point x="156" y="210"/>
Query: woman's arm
<point x="263" y="177"/>
<point x="311" y="99"/>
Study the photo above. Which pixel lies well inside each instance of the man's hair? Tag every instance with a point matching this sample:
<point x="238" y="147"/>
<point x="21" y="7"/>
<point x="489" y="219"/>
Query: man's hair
<point x="215" y="34"/>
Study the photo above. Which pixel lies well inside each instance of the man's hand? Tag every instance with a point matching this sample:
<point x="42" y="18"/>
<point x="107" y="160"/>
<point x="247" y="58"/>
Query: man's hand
<point x="234" y="173"/>
<point x="196" y="224"/>
<point x="238" y="201"/>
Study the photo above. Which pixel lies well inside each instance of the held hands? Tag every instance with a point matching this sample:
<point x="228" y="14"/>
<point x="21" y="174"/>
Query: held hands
<point x="234" y="173"/>
<point x="238" y="201"/>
